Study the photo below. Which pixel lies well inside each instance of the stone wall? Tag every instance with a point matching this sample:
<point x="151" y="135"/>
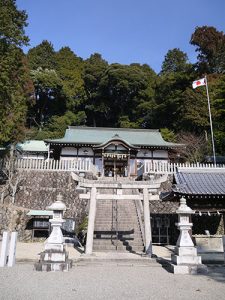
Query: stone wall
<point x="39" y="189"/>
<point x="13" y="218"/>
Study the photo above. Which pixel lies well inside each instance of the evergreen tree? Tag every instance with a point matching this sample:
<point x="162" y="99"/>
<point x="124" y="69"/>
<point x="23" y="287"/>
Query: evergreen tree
<point x="15" y="85"/>
<point x="42" y="56"/>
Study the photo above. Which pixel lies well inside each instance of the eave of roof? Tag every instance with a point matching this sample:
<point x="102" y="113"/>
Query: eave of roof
<point x="98" y="135"/>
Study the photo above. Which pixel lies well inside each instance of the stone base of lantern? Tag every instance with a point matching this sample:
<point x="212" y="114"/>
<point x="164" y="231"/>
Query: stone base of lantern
<point x="186" y="255"/>
<point x="187" y="269"/>
<point x="186" y="261"/>
<point x="53" y="260"/>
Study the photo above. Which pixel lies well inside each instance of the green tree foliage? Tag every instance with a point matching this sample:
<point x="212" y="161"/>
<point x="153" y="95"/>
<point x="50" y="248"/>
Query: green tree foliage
<point x="218" y="84"/>
<point x="47" y="89"/>
<point x="95" y="104"/>
<point x="168" y="135"/>
<point x="69" y="68"/>
<point x="211" y="49"/>
<point x="175" y="77"/>
<point x="57" y="125"/>
<point x="128" y="90"/>
<point x="12" y="25"/>
<point x="175" y="61"/>
<point x="15" y="85"/>
<point x="169" y="99"/>
<point x="42" y="56"/>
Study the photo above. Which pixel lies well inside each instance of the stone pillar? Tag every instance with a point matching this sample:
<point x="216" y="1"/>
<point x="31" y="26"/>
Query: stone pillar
<point x="4" y="249"/>
<point x="223" y="239"/>
<point x="12" y="249"/>
<point x="148" y="232"/>
<point x="91" y="222"/>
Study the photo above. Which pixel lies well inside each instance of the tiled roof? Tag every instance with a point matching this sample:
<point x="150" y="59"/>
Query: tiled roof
<point x="200" y="181"/>
<point x="100" y="135"/>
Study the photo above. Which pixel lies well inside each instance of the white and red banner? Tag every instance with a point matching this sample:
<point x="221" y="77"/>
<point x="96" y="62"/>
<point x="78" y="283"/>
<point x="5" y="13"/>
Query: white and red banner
<point x="198" y="83"/>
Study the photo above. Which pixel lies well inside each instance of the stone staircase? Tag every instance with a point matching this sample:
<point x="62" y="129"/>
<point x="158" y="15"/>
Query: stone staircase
<point x="117" y="226"/>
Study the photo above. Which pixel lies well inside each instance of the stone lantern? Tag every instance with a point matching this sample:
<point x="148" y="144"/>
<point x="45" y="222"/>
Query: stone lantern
<point x="55" y="257"/>
<point x="185" y="260"/>
<point x="55" y="240"/>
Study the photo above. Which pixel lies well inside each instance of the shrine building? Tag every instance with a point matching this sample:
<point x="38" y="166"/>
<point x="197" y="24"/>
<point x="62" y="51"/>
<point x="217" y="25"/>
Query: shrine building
<point x="113" y="151"/>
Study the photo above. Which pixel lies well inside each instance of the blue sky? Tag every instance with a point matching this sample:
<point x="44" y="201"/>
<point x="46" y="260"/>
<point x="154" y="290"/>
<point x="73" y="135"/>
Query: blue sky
<point x="123" y="31"/>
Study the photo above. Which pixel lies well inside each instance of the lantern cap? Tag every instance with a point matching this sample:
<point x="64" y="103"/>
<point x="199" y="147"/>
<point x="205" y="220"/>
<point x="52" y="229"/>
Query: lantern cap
<point x="183" y="208"/>
<point x="58" y="204"/>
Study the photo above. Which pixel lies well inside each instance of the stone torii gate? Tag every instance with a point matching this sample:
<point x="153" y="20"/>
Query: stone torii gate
<point x="149" y="191"/>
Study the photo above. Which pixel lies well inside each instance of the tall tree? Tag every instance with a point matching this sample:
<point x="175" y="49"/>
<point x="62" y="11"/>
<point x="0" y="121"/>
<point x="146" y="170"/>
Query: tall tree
<point x="211" y="49"/>
<point x="126" y="88"/>
<point x="95" y="106"/>
<point x="42" y="56"/>
<point x="175" y="61"/>
<point x="47" y="96"/>
<point x="69" y="68"/>
<point x="15" y="84"/>
<point x="12" y="25"/>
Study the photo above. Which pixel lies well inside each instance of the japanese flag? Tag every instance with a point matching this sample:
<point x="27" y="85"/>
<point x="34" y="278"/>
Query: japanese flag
<point x="198" y="83"/>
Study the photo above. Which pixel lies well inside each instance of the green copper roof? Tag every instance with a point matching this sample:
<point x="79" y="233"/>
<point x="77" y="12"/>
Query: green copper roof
<point x="32" y="146"/>
<point x="100" y="135"/>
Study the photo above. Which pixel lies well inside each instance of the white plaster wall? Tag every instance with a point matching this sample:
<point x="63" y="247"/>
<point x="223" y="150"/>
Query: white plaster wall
<point x="69" y="151"/>
<point x="112" y="147"/>
<point x="160" y="153"/>
<point x="87" y="151"/>
<point x="144" y="153"/>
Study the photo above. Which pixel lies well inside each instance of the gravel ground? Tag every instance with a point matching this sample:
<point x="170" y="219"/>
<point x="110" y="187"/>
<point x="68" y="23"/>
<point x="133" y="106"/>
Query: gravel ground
<point x="110" y="281"/>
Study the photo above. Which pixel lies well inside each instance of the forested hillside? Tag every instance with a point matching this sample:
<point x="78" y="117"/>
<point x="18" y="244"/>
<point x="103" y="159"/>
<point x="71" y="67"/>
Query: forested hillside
<point x="44" y="91"/>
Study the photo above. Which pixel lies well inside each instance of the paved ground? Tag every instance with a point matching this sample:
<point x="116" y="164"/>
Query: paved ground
<point x="106" y="279"/>
<point x="109" y="281"/>
<point x="30" y="251"/>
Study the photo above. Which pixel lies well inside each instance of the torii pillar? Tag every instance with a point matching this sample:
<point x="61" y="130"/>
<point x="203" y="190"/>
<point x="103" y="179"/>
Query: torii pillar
<point x="91" y="222"/>
<point x="147" y="223"/>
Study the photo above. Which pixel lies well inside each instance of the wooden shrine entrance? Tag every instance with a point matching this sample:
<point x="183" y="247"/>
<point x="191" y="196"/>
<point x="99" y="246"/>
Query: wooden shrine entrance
<point x="116" y="166"/>
<point x="118" y="158"/>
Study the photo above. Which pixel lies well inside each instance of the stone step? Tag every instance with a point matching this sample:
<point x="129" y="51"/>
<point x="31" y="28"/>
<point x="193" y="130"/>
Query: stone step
<point x="113" y="243"/>
<point x="118" y="248"/>
<point x="121" y="238"/>
<point x="122" y="230"/>
<point x="122" y="223"/>
<point x="129" y="235"/>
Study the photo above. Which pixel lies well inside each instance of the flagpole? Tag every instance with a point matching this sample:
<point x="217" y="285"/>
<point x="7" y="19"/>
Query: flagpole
<point x="210" y="119"/>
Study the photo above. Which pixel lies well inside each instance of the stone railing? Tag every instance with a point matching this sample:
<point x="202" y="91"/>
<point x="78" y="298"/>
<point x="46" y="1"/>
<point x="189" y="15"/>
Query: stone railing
<point x="79" y="165"/>
<point x="171" y="168"/>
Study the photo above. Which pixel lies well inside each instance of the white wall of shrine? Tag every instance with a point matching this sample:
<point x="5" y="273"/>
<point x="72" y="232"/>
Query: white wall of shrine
<point x="71" y="152"/>
<point x="148" y="154"/>
<point x="160" y="154"/>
